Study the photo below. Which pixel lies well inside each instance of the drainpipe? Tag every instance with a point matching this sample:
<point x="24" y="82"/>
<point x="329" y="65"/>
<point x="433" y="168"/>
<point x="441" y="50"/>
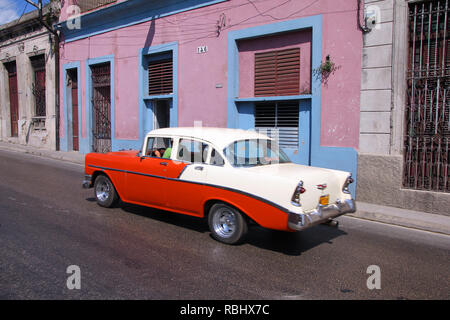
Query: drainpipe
<point x="362" y="27"/>
<point x="57" y="84"/>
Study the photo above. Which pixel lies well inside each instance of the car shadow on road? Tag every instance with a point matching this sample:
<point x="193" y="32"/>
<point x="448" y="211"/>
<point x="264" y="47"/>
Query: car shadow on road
<point x="289" y="243"/>
<point x="292" y="243"/>
<point x="179" y="220"/>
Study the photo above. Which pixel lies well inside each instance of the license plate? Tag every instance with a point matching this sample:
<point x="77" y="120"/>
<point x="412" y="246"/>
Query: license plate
<point x="324" y="200"/>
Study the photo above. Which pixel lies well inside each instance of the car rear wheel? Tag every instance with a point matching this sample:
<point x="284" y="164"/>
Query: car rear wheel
<point x="105" y="193"/>
<point x="226" y="223"/>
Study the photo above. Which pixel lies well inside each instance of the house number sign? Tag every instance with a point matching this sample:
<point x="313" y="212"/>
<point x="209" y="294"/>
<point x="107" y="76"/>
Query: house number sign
<point x="202" y="49"/>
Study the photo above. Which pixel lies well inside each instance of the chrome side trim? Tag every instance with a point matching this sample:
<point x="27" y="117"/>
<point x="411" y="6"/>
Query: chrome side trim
<point x="298" y="221"/>
<point x="182" y="170"/>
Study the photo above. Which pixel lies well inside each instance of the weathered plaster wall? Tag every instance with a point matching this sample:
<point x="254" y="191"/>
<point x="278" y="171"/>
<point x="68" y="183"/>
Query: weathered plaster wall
<point x="20" y="50"/>
<point x="383" y="100"/>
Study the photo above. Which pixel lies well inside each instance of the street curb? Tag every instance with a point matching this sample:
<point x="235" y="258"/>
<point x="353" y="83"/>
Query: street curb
<point x="401" y="217"/>
<point x="73" y="157"/>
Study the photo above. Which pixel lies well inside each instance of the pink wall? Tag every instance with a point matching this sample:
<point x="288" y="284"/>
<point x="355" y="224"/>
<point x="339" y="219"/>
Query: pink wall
<point x="341" y="95"/>
<point x="199" y="98"/>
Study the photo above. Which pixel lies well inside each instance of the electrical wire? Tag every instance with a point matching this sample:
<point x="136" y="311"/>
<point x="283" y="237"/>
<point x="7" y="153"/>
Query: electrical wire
<point x="13" y="5"/>
<point x="189" y="17"/>
<point x="23" y="12"/>
<point x="208" y="32"/>
<point x="265" y="13"/>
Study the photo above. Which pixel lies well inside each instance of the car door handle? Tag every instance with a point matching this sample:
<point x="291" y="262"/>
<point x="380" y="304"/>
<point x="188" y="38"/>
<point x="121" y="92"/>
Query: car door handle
<point x="198" y="168"/>
<point x="163" y="163"/>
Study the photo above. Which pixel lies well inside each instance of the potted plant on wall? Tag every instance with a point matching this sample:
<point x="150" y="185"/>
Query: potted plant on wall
<point x="325" y="70"/>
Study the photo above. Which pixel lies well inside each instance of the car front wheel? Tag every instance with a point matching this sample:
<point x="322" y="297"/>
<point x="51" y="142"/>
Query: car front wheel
<point x="226" y="223"/>
<point x="105" y="193"/>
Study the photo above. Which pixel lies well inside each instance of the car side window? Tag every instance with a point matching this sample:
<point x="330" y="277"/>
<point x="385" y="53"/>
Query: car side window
<point x="158" y="147"/>
<point x="192" y="151"/>
<point x="216" y="158"/>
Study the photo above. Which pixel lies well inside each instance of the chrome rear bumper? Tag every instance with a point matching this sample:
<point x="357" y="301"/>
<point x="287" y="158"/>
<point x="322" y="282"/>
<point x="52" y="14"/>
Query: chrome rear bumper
<point x="321" y="214"/>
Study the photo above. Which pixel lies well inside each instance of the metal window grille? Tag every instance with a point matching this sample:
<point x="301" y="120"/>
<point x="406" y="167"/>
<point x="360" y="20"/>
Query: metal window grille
<point x="277" y="73"/>
<point x="72" y="84"/>
<point x="427" y="133"/>
<point x="87" y="5"/>
<point x="101" y="107"/>
<point x="160" y="77"/>
<point x="279" y="120"/>
<point x="38" y="89"/>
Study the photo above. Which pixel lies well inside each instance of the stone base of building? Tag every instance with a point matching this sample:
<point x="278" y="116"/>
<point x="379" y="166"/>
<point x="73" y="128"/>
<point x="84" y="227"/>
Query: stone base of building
<point x="34" y="132"/>
<point x="380" y="182"/>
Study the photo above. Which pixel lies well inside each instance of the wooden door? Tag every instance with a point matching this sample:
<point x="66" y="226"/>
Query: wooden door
<point x="75" y="140"/>
<point x="13" y="98"/>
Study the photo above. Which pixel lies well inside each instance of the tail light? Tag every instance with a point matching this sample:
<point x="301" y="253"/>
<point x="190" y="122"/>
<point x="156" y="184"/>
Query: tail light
<point x="295" y="200"/>
<point x="346" y="184"/>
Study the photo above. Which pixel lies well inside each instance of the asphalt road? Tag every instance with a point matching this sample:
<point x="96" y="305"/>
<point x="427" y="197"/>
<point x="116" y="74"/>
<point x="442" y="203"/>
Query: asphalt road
<point x="48" y="222"/>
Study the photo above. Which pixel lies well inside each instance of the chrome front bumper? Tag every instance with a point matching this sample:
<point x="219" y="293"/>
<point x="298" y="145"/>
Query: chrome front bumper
<point x="87" y="182"/>
<point x="299" y="221"/>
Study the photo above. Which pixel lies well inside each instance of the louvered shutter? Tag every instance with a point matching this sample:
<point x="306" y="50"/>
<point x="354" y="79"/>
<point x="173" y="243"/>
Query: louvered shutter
<point x="160" y="77"/>
<point x="280" y="118"/>
<point x="277" y="73"/>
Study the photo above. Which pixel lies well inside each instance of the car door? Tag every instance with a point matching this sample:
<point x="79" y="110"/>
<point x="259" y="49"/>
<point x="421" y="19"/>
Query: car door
<point x="146" y="181"/>
<point x="186" y="193"/>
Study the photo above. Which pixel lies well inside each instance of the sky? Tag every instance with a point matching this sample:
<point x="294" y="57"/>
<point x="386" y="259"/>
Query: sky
<point x="13" y="9"/>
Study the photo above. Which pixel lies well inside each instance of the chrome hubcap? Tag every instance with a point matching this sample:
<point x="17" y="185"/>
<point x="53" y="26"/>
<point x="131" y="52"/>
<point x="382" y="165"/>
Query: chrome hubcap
<point x="102" y="191"/>
<point x="224" y="223"/>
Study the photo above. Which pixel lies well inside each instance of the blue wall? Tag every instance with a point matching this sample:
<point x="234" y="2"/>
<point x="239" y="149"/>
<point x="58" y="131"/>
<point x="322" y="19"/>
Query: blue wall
<point x="66" y="141"/>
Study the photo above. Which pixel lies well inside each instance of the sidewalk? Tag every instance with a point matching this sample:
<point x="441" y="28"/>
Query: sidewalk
<point x="402" y="217"/>
<point x="390" y="215"/>
<point x="71" y="156"/>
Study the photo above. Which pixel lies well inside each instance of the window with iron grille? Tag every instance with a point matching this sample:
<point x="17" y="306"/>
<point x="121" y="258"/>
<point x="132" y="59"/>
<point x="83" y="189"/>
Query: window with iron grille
<point x="279" y="120"/>
<point x="38" y="88"/>
<point x="160" y="76"/>
<point x="87" y="5"/>
<point x="277" y="73"/>
<point x="427" y="121"/>
<point x="101" y="107"/>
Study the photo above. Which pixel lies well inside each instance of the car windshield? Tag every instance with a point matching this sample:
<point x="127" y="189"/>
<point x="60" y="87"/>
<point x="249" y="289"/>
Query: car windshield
<point x="255" y="152"/>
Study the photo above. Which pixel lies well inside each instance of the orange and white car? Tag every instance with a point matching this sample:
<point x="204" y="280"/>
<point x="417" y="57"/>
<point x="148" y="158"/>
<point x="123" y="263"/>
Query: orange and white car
<point x="232" y="177"/>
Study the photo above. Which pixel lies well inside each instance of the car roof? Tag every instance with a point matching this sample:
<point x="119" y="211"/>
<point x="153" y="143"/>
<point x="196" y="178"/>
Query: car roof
<point x="221" y="137"/>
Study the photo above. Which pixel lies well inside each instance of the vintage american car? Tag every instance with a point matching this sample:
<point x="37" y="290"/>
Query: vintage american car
<point x="232" y="177"/>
